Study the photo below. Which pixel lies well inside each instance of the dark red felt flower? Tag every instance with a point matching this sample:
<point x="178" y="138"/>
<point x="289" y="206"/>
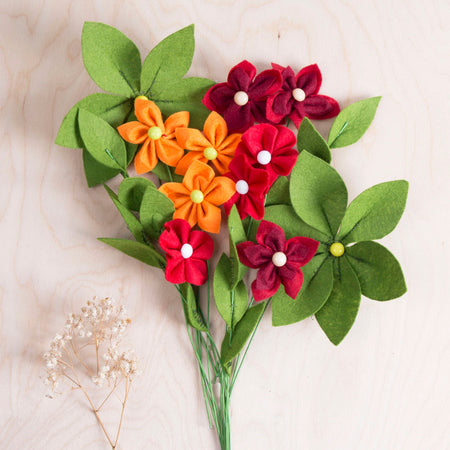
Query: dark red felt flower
<point x="298" y="97"/>
<point x="269" y="147"/>
<point x="186" y="251"/>
<point x="279" y="261"/>
<point x="242" y="99"/>
<point x="251" y="187"/>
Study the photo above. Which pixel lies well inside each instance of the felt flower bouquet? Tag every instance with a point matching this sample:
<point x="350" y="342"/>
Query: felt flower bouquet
<point x="209" y="154"/>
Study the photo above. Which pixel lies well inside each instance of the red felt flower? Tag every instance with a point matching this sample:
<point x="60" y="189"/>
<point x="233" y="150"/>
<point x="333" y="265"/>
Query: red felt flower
<point x="279" y="261"/>
<point x="242" y="99"/>
<point x="269" y="147"/>
<point x="298" y="97"/>
<point x="251" y="187"/>
<point x="186" y="251"/>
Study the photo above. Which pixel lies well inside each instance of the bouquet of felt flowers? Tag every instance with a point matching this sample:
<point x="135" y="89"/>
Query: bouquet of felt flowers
<point x="197" y="146"/>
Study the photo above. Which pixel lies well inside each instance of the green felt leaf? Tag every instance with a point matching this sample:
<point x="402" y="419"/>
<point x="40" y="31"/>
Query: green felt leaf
<point x="279" y="193"/>
<point x="375" y="212"/>
<point x="166" y="173"/>
<point x="292" y="225"/>
<point x="111" y="59"/>
<point x="131" y="192"/>
<point x="318" y="193"/>
<point x="316" y="288"/>
<point x="352" y="122"/>
<point x="131" y="151"/>
<point x="231" y="302"/>
<point x="190" y="306"/>
<point x="242" y="332"/>
<point x="95" y="172"/>
<point x="236" y="236"/>
<point x="338" y="314"/>
<point x="309" y="139"/>
<point x="99" y="137"/>
<point x="111" y="108"/>
<point x="184" y="95"/>
<point x="130" y="219"/>
<point x="156" y="209"/>
<point x="169" y="60"/>
<point x="378" y="272"/>
<point x="145" y="253"/>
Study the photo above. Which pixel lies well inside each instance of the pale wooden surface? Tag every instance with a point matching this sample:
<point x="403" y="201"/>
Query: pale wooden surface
<point x="386" y="387"/>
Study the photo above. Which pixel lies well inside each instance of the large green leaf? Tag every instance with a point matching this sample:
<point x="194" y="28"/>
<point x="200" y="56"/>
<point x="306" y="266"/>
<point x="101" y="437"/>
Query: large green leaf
<point x="352" y="122"/>
<point x="316" y="288"/>
<point x="102" y="141"/>
<point x="338" y="314"/>
<point x="242" y="332"/>
<point x="156" y="209"/>
<point x="231" y="302"/>
<point x="378" y="272"/>
<point x="375" y="212"/>
<point x="309" y="139"/>
<point x="166" y="173"/>
<point x="190" y="306"/>
<point x="279" y="193"/>
<point x="169" y="60"/>
<point x="318" y="193"/>
<point x="131" y="192"/>
<point x="236" y="236"/>
<point x="111" y="108"/>
<point x="111" y="59"/>
<point x="95" y="172"/>
<point x="144" y="253"/>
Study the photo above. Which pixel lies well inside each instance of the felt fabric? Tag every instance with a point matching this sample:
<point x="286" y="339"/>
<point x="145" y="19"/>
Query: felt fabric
<point x="241" y="78"/>
<point x="179" y="269"/>
<point x="215" y="135"/>
<point x="166" y="148"/>
<point x="252" y="203"/>
<point x="282" y="104"/>
<point x="270" y="240"/>
<point x="215" y="191"/>
<point x="278" y="141"/>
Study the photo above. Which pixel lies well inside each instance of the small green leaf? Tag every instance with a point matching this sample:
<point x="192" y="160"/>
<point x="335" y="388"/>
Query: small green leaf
<point x="241" y="334"/>
<point x="144" y="253"/>
<point x="95" y="172"/>
<point x="378" y="272"/>
<point x="352" y="122"/>
<point x="231" y="303"/>
<point x="130" y="219"/>
<point x="184" y="95"/>
<point x="111" y="108"/>
<point x="100" y="138"/>
<point x="318" y="193"/>
<point x="279" y="193"/>
<point x="338" y="314"/>
<point x="309" y="139"/>
<point x="169" y="60"/>
<point x="237" y="235"/>
<point x="292" y="225"/>
<point x="190" y="306"/>
<point x="375" y="212"/>
<point x="111" y="59"/>
<point x="316" y="288"/>
<point x="131" y="192"/>
<point x="166" y="173"/>
<point x="156" y="209"/>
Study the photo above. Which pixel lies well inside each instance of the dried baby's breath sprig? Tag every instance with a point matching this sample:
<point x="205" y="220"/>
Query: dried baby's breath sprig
<point x="87" y="352"/>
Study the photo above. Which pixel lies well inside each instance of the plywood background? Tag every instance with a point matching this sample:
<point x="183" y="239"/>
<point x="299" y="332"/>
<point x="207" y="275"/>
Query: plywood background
<point x="386" y="387"/>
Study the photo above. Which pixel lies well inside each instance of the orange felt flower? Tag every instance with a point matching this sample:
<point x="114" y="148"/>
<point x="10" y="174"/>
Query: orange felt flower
<point x="213" y="145"/>
<point x="197" y="198"/>
<point x="157" y="137"/>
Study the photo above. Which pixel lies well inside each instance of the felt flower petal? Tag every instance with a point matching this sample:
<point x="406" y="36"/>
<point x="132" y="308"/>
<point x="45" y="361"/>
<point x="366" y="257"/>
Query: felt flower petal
<point x="320" y="107"/>
<point x="278" y="106"/>
<point x="255" y="255"/>
<point x="309" y="79"/>
<point x="177" y="233"/>
<point x="301" y="249"/>
<point x="192" y="139"/>
<point x="292" y="286"/>
<point x="241" y="75"/>
<point x="175" y="270"/>
<point x="177" y="192"/>
<point x="186" y="211"/>
<point x="187" y="160"/>
<point x="168" y="151"/>
<point x="198" y="176"/>
<point x="196" y="272"/>
<point x="265" y="84"/>
<point x="177" y="120"/>
<point x="148" y="113"/>
<point x="271" y="235"/>
<point x="133" y="132"/>
<point x="239" y="118"/>
<point x="145" y="159"/>
<point x="218" y="97"/>
<point x="220" y="190"/>
<point x="208" y="217"/>
<point x="215" y="129"/>
<point x="202" y="245"/>
<point x="266" y="284"/>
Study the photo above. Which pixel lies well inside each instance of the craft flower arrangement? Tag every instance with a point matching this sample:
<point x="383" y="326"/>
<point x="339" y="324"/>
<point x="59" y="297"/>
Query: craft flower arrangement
<point x="224" y="153"/>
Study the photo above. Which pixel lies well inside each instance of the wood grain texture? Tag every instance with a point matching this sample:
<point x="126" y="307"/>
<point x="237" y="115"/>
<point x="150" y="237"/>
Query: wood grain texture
<point x="384" y="388"/>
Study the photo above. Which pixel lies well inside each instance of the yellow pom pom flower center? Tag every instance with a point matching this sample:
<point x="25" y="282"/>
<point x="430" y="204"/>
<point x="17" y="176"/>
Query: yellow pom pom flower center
<point x="337" y="249"/>
<point x="197" y="196"/>
<point x="154" y="133"/>
<point x="210" y="153"/>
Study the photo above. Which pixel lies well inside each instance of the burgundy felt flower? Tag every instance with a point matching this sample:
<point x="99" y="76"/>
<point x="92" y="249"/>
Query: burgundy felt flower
<point x="242" y="99"/>
<point x="298" y="97"/>
<point x="186" y="251"/>
<point x="279" y="261"/>
<point x="251" y="187"/>
<point x="269" y="147"/>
